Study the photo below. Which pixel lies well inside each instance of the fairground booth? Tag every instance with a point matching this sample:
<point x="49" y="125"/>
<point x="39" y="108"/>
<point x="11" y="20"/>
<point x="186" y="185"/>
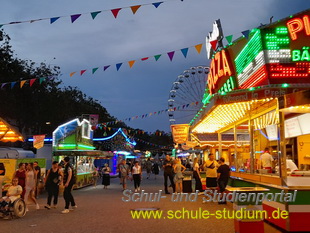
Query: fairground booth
<point x="74" y="139"/>
<point x="258" y="96"/>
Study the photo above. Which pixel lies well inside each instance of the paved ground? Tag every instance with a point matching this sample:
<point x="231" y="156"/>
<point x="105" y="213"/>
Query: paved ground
<point x="102" y="210"/>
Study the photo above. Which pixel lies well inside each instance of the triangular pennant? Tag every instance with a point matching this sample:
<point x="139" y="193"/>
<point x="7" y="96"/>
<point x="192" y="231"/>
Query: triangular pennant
<point x="170" y="55"/>
<point x="198" y="48"/>
<point x="106" y="67"/>
<point x="52" y="20"/>
<point x="22" y="83"/>
<point x="94" y="70"/>
<point x="213" y="44"/>
<point x="83" y="71"/>
<point x="32" y="81"/>
<point x="229" y="38"/>
<point x="156" y="4"/>
<point x="135" y="8"/>
<point x="72" y="73"/>
<point x="157" y="57"/>
<point x="74" y="17"/>
<point x="42" y="79"/>
<point x="12" y="84"/>
<point x="2" y="85"/>
<point x="118" y="65"/>
<point x="115" y="12"/>
<point x="144" y="59"/>
<point x="131" y="63"/>
<point x="246" y="33"/>
<point x="184" y="52"/>
<point x="94" y="14"/>
<point x="1" y="25"/>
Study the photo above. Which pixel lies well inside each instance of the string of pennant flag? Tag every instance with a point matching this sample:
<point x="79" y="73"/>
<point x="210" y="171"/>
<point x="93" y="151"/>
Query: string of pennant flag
<point x="129" y="131"/>
<point x="143" y="116"/>
<point x="93" y="14"/>
<point x="170" y="55"/>
<point x="92" y="71"/>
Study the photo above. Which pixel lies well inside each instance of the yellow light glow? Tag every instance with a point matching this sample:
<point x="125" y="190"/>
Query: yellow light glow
<point x="224" y="115"/>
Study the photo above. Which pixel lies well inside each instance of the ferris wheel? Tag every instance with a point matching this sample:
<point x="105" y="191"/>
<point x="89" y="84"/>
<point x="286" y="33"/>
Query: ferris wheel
<point x="186" y="94"/>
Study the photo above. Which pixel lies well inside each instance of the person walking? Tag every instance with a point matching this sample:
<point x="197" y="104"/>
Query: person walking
<point x="68" y="181"/>
<point x="155" y="169"/>
<point x="223" y="174"/>
<point x="168" y="172"/>
<point x="52" y="182"/>
<point x="211" y="165"/>
<point x="178" y="177"/>
<point x="21" y="175"/>
<point x="106" y="176"/>
<point x="37" y="171"/>
<point x="148" y="168"/>
<point x="95" y="176"/>
<point x="197" y="177"/>
<point x="136" y="175"/>
<point x="124" y="170"/>
<point x="30" y="185"/>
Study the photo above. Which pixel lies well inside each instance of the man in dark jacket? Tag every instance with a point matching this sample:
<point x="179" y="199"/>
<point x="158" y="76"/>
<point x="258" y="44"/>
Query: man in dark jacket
<point x="68" y="181"/>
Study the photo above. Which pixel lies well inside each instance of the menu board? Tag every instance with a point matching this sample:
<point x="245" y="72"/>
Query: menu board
<point x="304" y="123"/>
<point x="292" y="128"/>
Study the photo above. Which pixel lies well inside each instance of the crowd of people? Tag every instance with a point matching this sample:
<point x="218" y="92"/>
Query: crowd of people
<point x="25" y="184"/>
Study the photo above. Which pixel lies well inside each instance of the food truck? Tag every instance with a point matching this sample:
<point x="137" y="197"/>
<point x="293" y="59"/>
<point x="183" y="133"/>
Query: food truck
<point x="75" y="140"/>
<point x="258" y="96"/>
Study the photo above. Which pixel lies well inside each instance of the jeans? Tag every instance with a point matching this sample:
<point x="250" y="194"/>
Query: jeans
<point x="137" y="180"/>
<point x="170" y="175"/>
<point x="198" y="184"/>
<point x="52" y="191"/>
<point x="68" y="196"/>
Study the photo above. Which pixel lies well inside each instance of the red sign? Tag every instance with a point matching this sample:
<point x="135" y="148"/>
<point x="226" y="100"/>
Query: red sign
<point x="297" y="25"/>
<point x="220" y="71"/>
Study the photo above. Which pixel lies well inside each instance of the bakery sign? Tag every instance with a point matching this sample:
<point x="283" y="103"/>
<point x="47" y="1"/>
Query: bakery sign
<point x="180" y="133"/>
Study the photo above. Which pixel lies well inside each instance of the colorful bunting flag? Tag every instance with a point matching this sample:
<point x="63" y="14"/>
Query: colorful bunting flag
<point x="156" y="4"/>
<point x="75" y="17"/>
<point x="118" y="66"/>
<point x="83" y="71"/>
<point x="32" y="81"/>
<point x="198" y="48"/>
<point x="184" y="52"/>
<point x="2" y="85"/>
<point x="94" y="70"/>
<point x="246" y="33"/>
<point x="115" y="12"/>
<point x="229" y="38"/>
<point x="41" y="80"/>
<point x="135" y="8"/>
<point x="213" y="44"/>
<point x="131" y="63"/>
<point x="12" y="84"/>
<point x="94" y="14"/>
<point x="157" y="57"/>
<point x="144" y="59"/>
<point x="72" y="73"/>
<point x="106" y="67"/>
<point x="170" y="55"/>
<point x="54" y="19"/>
<point x="22" y="83"/>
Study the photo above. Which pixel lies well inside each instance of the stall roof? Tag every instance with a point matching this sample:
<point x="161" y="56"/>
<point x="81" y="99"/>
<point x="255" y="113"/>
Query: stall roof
<point x="8" y="133"/>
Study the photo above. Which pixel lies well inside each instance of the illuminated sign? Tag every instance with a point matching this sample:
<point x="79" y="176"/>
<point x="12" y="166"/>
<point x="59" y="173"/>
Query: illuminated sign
<point x="180" y="133"/>
<point x="301" y="55"/>
<point x="219" y="68"/>
<point x="215" y="35"/>
<point x="228" y="86"/>
<point x="298" y="25"/>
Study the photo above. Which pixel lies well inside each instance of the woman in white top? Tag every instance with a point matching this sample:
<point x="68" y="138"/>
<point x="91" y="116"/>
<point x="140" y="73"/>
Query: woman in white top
<point x="136" y="175"/>
<point x="197" y="177"/>
<point x="30" y="185"/>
